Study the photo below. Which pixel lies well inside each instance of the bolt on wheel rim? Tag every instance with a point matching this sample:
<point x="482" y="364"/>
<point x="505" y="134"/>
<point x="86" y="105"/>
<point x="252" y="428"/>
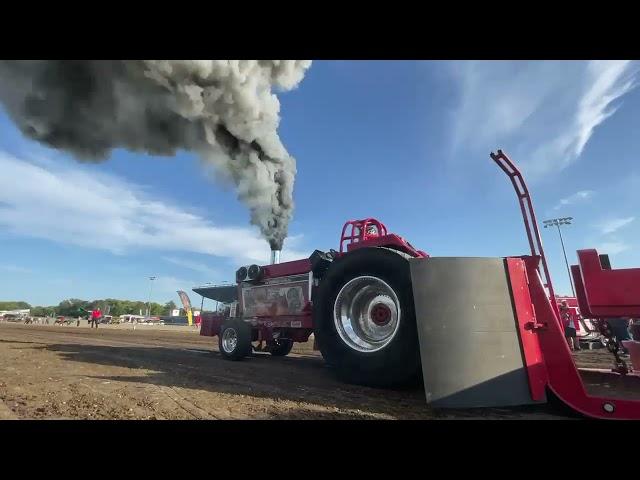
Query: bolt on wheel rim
<point x="367" y="314"/>
<point x="229" y="340"/>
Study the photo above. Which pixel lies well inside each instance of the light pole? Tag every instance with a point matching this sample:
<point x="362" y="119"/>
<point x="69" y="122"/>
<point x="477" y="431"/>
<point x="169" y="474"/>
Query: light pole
<point x="150" y="290"/>
<point x="557" y="222"/>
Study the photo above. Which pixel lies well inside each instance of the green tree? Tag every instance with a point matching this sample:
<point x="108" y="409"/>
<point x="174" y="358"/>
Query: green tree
<point x="42" y="311"/>
<point x="11" y="305"/>
<point x="114" y="306"/>
<point x="169" y="307"/>
<point x="155" y="309"/>
<point x="73" y="307"/>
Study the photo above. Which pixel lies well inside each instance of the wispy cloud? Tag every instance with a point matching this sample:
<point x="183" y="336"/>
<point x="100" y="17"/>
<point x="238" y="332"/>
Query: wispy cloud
<point x="542" y="111"/>
<point x="195" y="266"/>
<point x="15" y="269"/>
<point x="167" y="284"/>
<point x="614" y="224"/>
<point x="66" y="203"/>
<point x="612" y="248"/>
<point x="575" y="198"/>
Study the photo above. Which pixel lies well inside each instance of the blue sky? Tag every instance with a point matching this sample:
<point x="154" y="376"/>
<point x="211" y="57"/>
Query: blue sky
<point x="406" y="142"/>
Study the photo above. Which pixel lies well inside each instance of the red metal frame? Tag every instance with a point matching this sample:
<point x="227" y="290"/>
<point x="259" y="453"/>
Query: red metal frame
<point x="563" y="377"/>
<point x="608" y="293"/>
<point x="580" y="293"/>
<point x="358" y="237"/>
<point x="547" y="356"/>
<point x="528" y="327"/>
<point x="528" y="215"/>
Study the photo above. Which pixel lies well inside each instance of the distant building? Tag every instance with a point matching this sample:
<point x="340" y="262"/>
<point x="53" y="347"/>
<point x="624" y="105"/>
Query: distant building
<point x="16" y="313"/>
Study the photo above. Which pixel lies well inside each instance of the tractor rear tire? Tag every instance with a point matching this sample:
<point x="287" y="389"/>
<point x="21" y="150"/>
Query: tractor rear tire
<point x="359" y="293"/>
<point x="281" y="348"/>
<point x="234" y="340"/>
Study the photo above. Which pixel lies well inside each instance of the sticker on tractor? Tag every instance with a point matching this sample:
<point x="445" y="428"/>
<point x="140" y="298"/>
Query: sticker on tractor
<point x="274" y="300"/>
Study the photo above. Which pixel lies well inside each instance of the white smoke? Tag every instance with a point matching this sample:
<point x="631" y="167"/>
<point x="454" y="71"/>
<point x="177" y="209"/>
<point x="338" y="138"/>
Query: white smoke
<point x="224" y="110"/>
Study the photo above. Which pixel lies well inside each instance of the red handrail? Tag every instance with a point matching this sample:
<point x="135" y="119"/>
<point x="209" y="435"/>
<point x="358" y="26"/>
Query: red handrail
<point x="529" y="218"/>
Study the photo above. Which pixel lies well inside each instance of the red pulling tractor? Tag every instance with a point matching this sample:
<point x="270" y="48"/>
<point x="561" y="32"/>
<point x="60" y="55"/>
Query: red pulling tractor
<point x="480" y="332"/>
<point x="361" y="314"/>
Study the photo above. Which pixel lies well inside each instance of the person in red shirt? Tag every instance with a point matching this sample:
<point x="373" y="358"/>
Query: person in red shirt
<point x="96" y="315"/>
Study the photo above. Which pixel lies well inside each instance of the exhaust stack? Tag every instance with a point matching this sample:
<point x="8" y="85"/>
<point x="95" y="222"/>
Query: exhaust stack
<point x="275" y="257"/>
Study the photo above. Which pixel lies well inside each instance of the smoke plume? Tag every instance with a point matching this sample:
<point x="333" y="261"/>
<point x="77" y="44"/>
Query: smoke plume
<point x="224" y="110"/>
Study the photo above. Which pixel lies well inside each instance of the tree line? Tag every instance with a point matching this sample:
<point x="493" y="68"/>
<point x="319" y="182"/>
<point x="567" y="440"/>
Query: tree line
<point x="73" y="307"/>
<point x="14" y="305"/>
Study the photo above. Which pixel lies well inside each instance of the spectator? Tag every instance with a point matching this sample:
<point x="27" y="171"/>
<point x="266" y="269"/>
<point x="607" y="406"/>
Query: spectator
<point x="619" y="327"/>
<point x="634" y="329"/>
<point x="81" y="311"/>
<point x="96" y="315"/>
<point x="569" y="324"/>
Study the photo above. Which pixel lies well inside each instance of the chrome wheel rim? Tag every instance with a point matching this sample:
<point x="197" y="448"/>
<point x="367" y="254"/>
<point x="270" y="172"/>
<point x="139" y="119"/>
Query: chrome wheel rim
<point x="229" y="340"/>
<point x="367" y="314"/>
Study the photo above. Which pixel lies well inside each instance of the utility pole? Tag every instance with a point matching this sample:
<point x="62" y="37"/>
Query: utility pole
<point x="150" y="290"/>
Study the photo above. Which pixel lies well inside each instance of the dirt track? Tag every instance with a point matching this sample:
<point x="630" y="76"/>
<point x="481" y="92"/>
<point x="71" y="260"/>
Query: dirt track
<point x="117" y="373"/>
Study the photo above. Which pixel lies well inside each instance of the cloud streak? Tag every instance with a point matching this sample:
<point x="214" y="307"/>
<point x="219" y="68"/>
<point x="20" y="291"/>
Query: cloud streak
<point x="71" y="205"/>
<point x="15" y="269"/>
<point x="612" y="248"/>
<point x="543" y="112"/>
<point x="190" y="265"/>
<point x="167" y="284"/>
<point x="577" y="197"/>
<point x="614" y="224"/>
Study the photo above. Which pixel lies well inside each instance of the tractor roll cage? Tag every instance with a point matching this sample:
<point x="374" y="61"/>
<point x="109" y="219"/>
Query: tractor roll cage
<point x="359" y="231"/>
<point x="358" y="236"/>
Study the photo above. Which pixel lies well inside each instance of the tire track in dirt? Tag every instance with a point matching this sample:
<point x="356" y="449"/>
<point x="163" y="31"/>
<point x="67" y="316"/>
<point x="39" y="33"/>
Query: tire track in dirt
<point x="61" y="372"/>
<point x="149" y="368"/>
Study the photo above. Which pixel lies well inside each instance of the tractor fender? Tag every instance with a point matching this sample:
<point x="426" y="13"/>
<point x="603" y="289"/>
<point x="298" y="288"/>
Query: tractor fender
<point x="320" y="273"/>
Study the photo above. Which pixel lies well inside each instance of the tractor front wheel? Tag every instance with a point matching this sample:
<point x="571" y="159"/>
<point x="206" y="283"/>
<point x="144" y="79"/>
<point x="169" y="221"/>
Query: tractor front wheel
<point x="364" y="319"/>
<point x="234" y="340"/>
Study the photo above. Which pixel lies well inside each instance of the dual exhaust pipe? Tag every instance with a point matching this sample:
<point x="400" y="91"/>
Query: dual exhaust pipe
<point x="253" y="273"/>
